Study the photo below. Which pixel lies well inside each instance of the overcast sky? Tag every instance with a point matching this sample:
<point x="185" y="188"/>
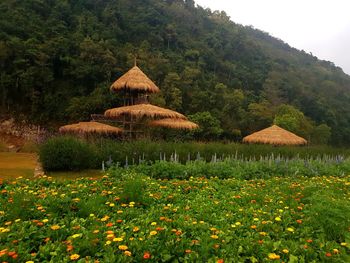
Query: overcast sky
<point x="318" y="26"/>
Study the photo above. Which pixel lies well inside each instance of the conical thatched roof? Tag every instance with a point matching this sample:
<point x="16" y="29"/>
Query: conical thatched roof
<point x="275" y="135"/>
<point x="135" y="79"/>
<point x="174" y="124"/>
<point x="143" y="110"/>
<point x="90" y="127"/>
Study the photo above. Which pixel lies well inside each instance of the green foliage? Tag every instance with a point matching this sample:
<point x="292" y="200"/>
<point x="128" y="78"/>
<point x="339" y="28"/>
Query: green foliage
<point x="321" y="134"/>
<point x="58" y="59"/>
<point x="67" y="153"/>
<point x="292" y="119"/>
<point x="244" y="169"/>
<point x="209" y="126"/>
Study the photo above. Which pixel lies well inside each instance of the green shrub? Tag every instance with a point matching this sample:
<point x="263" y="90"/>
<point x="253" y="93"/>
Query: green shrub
<point x="67" y="153"/>
<point x="134" y="186"/>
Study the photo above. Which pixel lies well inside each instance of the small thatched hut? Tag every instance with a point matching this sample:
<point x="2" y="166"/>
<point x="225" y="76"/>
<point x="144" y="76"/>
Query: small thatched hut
<point x="135" y="86"/>
<point x="275" y="135"/>
<point x="90" y="127"/>
<point x="179" y="124"/>
<point x="143" y="110"/>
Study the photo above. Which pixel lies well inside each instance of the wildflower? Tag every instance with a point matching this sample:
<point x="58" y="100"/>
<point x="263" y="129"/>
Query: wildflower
<point x="309" y="241"/>
<point x="45" y="220"/>
<point x="214" y="236"/>
<point x="135" y="229"/>
<point x="273" y="256"/>
<point x="299" y="221"/>
<point x="74" y="257"/>
<point x="76" y="235"/>
<point x="153" y="223"/>
<point x="263" y="233"/>
<point x="119" y="212"/>
<point x="328" y="254"/>
<point x="238" y="223"/>
<point x="220" y="260"/>
<point x="123" y="247"/>
<point x="127" y="253"/>
<point x="108" y="242"/>
<point x="290" y="229"/>
<point x="118" y="239"/>
<point x="253" y="227"/>
<point x="55" y="227"/>
<point x="278" y="219"/>
<point x="188" y="251"/>
<point x="153" y="233"/>
<point x="30" y="261"/>
<point x="343" y="244"/>
<point x="335" y="251"/>
<point x="146" y="255"/>
<point x="285" y="251"/>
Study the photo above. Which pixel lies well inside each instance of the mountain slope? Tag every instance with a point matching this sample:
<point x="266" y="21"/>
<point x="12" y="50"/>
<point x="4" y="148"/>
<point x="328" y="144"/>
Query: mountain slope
<point x="58" y="58"/>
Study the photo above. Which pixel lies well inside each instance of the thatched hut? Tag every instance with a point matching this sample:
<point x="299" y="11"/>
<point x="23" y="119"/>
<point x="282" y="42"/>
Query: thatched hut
<point x="143" y="110"/>
<point x="90" y="127"/>
<point x="135" y="86"/>
<point x="179" y="124"/>
<point x="275" y="135"/>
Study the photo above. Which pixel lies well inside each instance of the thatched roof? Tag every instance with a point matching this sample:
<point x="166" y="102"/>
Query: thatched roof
<point x="275" y="135"/>
<point x="174" y="124"/>
<point x="90" y="127"/>
<point x="143" y="110"/>
<point x="135" y="79"/>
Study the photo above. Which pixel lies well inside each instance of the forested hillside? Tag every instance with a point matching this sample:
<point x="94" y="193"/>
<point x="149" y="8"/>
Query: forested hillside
<point x="59" y="57"/>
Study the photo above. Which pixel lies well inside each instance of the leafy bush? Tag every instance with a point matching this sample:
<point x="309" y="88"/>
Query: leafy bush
<point x="67" y="153"/>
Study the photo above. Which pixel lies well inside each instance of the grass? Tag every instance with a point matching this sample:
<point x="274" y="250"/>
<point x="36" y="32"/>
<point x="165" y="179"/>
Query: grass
<point x="14" y="165"/>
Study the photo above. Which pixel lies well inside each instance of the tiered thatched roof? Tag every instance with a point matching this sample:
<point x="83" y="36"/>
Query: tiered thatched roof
<point x="90" y="127"/>
<point x="143" y="110"/>
<point x="136" y="80"/>
<point x="275" y="135"/>
<point x="180" y="124"/>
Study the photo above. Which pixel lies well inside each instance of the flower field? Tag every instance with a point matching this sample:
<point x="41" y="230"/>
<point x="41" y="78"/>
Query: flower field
<point x="132" y="218"/>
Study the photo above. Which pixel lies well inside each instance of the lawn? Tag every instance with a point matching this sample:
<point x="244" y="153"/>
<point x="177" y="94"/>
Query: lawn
<point x="13" y="165"/>
<point x="131" y="218"/>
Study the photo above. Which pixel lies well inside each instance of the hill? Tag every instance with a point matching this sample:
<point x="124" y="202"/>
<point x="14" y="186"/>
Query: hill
<point x="58" y="58"/>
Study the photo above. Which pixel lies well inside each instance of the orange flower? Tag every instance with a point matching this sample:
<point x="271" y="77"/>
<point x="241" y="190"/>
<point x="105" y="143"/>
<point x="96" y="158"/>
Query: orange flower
<point x="220" y="260"/>
<point x="146" y="255"/>
<point x="188" y="251"/>
<point x="127" y="253"/>
<point x="328" y="254"/>
<point x="123" y="247"/>
<point x="299" y="221"/>
<point x="55" y="227"/>
<point x="109" y="224"/>
<point x="273" y="256"/>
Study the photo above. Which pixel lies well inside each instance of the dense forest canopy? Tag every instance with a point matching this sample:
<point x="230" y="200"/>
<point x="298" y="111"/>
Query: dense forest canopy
<point x="59" y="57"/>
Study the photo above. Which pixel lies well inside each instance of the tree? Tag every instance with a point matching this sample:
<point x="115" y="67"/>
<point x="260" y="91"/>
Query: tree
<point x="209" y="126"/>
<point x="321" y="134"/>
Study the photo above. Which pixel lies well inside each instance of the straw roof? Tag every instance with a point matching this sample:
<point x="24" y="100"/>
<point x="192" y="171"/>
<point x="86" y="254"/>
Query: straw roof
<point x="90" y="127"/>
<point x="135" y="79"/>
<point x="174" y="124"/>
<point x="275" y="135"/>
<point x="143" y="110"/>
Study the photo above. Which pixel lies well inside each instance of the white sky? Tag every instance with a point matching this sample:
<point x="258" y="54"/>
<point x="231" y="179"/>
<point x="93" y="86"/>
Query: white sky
<point x="318" y="26"/>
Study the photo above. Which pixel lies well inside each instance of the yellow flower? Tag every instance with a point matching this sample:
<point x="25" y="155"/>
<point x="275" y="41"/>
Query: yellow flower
<point x="30" y="261"/>
<point x="76" y="235"/>
<point x="118" y="239"/>
<point x="108" y="242"/>
<point x="55" y="227"/>
<point x="263" y="233"/>
<point x="96" y="231"/>
<point x="214" y="236"/>
<point x="153" y="223"/>
<point x="74" y="257"/>
<point x="238" y="223"/>
<point x="343" y="244"/>
<point x="273" y="256"/>
<point x="17" y="220"/>
<point x="119" y="212"/>
<point x="123" y="247"/>
<point x="111" y="205"/>
<point x="290" y="229"/>
<point x="127" y="253"/>
<point x="45" y="220"/>
<point x="278" y="219"/>
<point x="92" y="215"/>
<point x="135" y="229"/>
<point x="285" y="251"/>
<point x="152" y="233"/>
